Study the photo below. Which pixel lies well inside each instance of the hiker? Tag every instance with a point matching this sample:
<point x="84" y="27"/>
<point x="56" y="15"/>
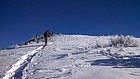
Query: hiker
<point x="36" y="39"/>
<point x="46" y="35"/>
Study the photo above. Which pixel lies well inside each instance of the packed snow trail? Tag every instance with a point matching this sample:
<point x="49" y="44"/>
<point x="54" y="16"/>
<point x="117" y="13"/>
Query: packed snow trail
<point x="23" y="61"/>
<point x="75" y="57"/>
<point x="79" y="57"/>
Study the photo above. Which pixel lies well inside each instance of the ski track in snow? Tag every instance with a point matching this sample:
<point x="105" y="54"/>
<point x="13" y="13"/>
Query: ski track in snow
<point x="75" y="57"/>
<point x="16" y="70"/>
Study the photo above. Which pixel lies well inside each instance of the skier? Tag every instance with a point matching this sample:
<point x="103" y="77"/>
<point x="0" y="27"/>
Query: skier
<point x="46" y="35"/>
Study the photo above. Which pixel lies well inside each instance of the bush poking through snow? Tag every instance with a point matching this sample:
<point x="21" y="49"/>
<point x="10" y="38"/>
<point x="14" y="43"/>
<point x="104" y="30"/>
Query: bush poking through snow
<point x="123" y="41"/>
<point x="100" y="44"/>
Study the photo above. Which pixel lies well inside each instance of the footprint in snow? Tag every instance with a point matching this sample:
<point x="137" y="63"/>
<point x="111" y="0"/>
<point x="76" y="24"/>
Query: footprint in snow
<point x="135" y="73"/>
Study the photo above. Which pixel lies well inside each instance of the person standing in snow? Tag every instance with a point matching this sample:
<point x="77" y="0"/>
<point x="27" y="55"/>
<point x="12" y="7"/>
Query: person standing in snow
<point x="46" y="37"/>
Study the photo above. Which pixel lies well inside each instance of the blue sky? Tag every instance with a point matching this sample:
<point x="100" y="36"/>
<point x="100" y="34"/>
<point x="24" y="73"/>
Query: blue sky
<point x="22" y="19"/>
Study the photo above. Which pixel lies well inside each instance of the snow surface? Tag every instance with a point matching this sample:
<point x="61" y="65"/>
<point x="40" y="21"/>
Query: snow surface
<point x="71" y="57"/>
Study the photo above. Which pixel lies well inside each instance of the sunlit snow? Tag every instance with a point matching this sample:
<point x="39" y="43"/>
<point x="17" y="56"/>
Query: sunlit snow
<point x="71" y="57"/>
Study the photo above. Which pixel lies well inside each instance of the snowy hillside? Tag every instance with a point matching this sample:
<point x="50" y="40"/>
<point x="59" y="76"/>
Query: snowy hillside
<point x="73" y="57"/>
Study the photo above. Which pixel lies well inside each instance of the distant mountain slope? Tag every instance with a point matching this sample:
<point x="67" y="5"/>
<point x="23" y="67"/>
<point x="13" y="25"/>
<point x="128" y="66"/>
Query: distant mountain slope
<point x="73" y="57"/>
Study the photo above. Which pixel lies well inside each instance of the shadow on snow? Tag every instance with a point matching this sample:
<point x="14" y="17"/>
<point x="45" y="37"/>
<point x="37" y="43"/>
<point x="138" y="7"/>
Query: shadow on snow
<point x="132" y="62"/>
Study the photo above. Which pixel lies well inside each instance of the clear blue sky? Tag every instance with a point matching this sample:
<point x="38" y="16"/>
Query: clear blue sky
<point x="21" y="19"/>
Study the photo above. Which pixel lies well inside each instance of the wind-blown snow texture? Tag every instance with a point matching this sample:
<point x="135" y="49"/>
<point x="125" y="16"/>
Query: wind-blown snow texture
<point x="71" y="57"/>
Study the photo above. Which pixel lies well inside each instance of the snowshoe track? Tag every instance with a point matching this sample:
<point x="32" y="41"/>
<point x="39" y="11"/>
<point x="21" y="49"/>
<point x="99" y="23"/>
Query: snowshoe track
<point x="17" y="68"/>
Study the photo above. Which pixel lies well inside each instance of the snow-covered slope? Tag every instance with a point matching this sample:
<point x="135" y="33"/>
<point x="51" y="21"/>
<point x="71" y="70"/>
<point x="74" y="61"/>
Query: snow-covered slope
<point x="71" y="57"/>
